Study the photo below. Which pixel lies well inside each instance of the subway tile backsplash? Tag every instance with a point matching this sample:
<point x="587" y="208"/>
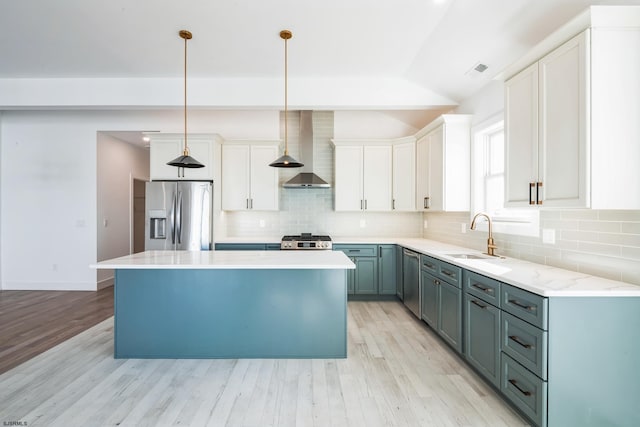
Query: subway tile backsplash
<point x="600" y="243"/>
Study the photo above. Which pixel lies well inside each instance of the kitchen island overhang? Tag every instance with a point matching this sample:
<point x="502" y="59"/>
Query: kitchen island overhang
<point x="218" y="304"/>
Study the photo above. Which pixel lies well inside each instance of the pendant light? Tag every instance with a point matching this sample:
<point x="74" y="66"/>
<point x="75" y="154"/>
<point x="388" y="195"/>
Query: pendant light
<point x="185" y="161"/>
<point x="286" y="161"/>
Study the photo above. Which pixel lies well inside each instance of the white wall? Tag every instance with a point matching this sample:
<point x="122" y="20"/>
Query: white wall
<point x="382" y="124"/>
<point x="48" y="188"/>
<point x="118" y="163"/>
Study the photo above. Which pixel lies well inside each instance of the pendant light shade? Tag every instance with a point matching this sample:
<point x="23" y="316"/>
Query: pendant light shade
<point x="286" y="161"/>
<point x="185" y="160"/>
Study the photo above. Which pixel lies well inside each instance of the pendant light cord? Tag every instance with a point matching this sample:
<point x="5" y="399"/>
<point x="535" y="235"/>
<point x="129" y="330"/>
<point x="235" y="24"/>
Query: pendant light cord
<point x="186" y="149"/>
<point x="286" y="95"/>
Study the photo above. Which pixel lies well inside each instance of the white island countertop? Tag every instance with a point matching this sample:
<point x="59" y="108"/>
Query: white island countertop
<point x="210" y="260"/>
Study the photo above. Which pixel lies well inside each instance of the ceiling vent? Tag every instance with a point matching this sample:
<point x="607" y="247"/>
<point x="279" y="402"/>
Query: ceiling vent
<point x="476" y="70"/>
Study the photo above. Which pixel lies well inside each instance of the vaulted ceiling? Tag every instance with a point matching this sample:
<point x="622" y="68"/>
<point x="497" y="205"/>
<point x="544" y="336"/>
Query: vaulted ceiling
<point x="421" y="49"/>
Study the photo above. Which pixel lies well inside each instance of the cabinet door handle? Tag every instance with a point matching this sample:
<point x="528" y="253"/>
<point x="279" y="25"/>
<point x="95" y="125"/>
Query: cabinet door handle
<point x="519" y="341"/>
<point x="436" y="281"/>
<point x="393" y="204"/>
<point x="365" y="204"/>
<point x="251" y="203"/>
<point x="522" y="306"/>
<point x="538" y="193"/>
<point x="484" y="307"/>
<point x="486" y="290"/>
<point x="426" y="203"/>
<point x="531" y="186"/>
<point x="379" y="252"/>
<point x="247" y="200"/>
<point x="515" y="384"/>
<point x="361" y="205"/>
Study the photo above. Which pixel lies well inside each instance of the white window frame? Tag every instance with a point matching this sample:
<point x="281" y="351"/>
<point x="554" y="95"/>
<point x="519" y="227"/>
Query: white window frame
<point x="520" y="222"/>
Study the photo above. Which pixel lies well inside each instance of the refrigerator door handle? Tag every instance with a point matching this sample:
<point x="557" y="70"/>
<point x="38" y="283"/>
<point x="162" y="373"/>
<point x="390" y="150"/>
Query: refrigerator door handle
<point x="179" y="218"/>
<point x="173" y="220"/>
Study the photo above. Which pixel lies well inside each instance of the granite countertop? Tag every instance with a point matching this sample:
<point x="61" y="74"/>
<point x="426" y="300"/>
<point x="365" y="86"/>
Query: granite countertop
<point x="212" y="260"/>
<point x="540" y="279"/>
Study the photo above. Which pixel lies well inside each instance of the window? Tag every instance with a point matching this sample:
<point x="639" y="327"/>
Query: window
<point x="488" y="182"/>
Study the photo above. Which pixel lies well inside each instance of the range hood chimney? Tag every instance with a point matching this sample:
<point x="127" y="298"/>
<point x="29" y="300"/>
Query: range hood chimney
<point x="306" y="178"/>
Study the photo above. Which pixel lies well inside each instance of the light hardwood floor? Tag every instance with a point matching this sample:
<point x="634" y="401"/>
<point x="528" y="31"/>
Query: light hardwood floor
<point x="398" y="373"/>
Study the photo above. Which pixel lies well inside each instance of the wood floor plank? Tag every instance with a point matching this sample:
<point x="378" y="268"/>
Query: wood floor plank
<point x="398" y="373"/>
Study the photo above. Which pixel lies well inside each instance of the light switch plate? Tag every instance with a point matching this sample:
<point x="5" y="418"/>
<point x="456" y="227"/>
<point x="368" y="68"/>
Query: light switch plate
<point x="549" y="236"/>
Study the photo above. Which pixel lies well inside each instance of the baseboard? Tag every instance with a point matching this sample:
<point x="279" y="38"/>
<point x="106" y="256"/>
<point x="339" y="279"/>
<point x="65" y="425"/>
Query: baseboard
<point x="49" y="286"/>
<point x="105" y="283"/>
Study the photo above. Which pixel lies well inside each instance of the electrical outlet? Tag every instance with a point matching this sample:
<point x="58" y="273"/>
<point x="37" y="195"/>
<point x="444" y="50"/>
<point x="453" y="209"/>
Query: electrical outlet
<point x="463" y="227"/>
<point x="363" y="223"/>
<point x="549" y="236"/>
<point x="262" y="223"/>
<point x="426" y="224"/>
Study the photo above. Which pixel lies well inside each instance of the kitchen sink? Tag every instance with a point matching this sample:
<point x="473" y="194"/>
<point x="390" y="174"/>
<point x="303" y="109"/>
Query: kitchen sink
<point x="469" y="256"/>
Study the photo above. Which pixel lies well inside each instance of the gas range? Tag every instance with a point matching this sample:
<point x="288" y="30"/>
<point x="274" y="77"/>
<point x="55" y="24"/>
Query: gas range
<point x="306" y="241"/>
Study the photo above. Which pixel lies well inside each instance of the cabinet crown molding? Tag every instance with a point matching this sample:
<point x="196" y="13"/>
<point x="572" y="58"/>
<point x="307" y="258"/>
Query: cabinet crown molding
<point x="445" y="118"/>
<point x="598" y="16"/>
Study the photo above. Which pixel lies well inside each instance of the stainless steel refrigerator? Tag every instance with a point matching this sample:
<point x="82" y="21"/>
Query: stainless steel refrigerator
<point x="179" y="215"/>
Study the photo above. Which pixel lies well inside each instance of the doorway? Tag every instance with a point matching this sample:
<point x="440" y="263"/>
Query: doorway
<point x="137" y="244"/>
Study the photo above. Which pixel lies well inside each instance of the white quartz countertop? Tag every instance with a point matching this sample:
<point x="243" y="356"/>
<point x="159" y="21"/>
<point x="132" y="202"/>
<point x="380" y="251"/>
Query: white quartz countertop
<point x="278" y="260"/>
<point x="537" y="278"/>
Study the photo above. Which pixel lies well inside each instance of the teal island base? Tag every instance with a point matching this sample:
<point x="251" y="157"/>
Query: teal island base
<point x="230" y="313"/>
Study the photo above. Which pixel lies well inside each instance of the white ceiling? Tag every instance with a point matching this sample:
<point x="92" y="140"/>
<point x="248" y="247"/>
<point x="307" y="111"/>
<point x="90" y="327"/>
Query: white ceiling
<point x="428" y="43"/>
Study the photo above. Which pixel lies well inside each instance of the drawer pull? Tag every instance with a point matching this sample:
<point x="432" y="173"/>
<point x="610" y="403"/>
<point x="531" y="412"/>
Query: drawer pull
<point x="354" y="250"/>
<point x="515" y="384"/>
<point x="426" y="264"/>
<point x="518" y="340"/>
<point x="483" y="289"/>
<point x="448" y="273"/>
<point x="478" y="304"/>
<point x="522" y="306"/>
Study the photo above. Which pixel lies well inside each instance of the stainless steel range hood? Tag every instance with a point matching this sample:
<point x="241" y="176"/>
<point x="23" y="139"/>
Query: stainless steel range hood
<point x="306" y="178"/>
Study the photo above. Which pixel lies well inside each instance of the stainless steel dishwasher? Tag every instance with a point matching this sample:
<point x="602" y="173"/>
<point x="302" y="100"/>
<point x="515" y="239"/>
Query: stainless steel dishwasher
<point x="411" y="281"/>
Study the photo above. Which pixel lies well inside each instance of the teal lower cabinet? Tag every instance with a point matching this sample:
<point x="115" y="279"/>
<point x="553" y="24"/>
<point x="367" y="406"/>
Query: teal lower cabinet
<point x="364" y="279"/>
<point x="482" y="325"/>
<point x="441" y="304"/>
<point x="387" y="268"/>
<point x="430" y="292"/>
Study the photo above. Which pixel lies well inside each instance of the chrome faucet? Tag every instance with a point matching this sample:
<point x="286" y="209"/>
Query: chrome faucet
<point x="490" y="246"/>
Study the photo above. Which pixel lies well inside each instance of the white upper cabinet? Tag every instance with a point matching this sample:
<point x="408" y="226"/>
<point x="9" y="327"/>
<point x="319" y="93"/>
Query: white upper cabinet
<point x="166" y="147"/>
<point x="362" y="176"/>
<point x="546" y="130"/>
<point x="571" y="119"/>
<point x="443" y="164"/>
<point x="404" y="176"/>
<point x="248" y="182"/>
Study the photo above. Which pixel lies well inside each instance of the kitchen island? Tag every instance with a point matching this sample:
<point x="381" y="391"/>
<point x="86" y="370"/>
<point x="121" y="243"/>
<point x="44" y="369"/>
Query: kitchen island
<point x="219" y="304"/>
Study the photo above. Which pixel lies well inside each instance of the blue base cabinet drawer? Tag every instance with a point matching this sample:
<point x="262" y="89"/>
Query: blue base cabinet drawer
<point x="357" y="250"/>
<point x="525" y="305"/>
<point x="482" y="287"/>
<point x="525" y="343"/>
<point x="525" y="390"/>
